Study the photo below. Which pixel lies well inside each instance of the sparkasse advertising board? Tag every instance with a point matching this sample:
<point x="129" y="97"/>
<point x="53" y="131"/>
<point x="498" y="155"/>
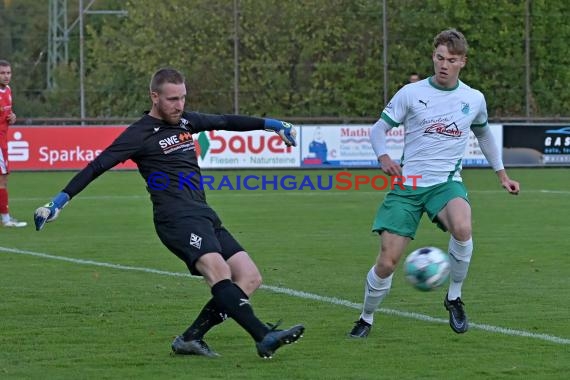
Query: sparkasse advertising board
<point x="59" y="148"/>
<point x="73" y="147"/>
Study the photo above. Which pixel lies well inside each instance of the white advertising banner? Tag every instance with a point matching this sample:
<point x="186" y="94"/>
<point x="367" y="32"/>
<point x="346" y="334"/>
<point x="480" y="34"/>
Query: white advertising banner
<point x="349" y="146"/>
<point x="473" y="154"/>
<point x="344" y="145"/>
<point x="255" y="149"/>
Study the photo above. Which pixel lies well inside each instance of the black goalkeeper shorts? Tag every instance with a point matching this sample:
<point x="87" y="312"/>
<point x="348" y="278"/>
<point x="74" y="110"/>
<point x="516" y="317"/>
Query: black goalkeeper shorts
<point x="190" y="237"/>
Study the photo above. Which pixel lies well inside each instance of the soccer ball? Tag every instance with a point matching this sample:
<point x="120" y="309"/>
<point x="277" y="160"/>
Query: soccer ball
<point x="427" y="268"/>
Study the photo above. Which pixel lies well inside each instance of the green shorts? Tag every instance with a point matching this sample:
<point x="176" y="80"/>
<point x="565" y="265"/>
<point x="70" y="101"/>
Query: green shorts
<point x="402" y="209"/>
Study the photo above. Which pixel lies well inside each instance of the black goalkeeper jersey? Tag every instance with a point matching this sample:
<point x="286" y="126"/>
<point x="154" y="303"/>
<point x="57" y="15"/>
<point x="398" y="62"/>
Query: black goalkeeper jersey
<point x="166" y="158"/>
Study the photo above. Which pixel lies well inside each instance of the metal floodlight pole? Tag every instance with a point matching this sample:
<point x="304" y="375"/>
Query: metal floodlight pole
<point x="385" y="49"/>
<point x="236" y="57"/>
<point x="58" y="39"/>
<point x="82" y="12"/>
<point x="81" y="65"/>
<point x="527" y="27"/>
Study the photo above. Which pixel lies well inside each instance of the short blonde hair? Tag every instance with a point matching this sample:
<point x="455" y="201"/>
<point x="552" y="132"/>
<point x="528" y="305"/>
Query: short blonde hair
<point x="453" y="39"/>
<point x="165" y="75"/>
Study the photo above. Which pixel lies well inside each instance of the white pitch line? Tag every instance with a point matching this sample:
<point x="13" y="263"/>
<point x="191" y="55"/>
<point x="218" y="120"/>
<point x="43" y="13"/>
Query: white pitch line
<point x="300" y="294"/>
<point x="279" y="192"/>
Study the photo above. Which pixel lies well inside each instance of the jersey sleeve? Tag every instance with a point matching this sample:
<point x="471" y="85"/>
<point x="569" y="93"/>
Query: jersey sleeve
<point x="481" y="118"/>
<point x="200" y="122"/>
<point x="395" y="112"/>
<point x="120" y="150"/>
<point x="123" y="148"/>
<point x="5" y="107"/>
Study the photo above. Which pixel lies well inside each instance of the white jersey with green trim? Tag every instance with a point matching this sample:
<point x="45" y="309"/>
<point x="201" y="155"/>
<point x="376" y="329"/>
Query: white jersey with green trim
<point x="436" y="124"/>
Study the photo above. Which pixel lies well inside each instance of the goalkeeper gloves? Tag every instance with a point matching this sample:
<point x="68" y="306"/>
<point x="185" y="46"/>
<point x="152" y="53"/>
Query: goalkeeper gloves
<point x="285" y="130"/>
<point x="50" y="211"/>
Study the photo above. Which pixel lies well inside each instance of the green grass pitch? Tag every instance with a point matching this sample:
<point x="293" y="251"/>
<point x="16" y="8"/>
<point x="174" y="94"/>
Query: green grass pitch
<point x="95" y="295"/>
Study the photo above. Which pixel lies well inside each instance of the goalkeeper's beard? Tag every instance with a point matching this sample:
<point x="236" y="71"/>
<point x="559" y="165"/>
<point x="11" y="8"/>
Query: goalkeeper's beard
<point x="170" y="118"/>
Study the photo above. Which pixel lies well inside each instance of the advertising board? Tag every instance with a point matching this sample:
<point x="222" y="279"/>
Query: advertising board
<point x="59" y="148"/>
<point x="536" y="144"/>
<point x="349" y="146"/>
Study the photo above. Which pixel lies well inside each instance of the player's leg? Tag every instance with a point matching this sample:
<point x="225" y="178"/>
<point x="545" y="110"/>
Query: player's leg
<point x="244" y="273"/>
<point x="4" y="195"/>
<point x="396" y="221"/>
<point x="4" y="186"/>
<point x="7" y="220"/>
<point x="231" y="298"/>
<point x="201" y="243"/>
<point x="228" y="296"/>
<point x="188" y="238"/>
<point x="379" y="281"/>
<point x="247" y="277"/>
<point x="455" y="217"/>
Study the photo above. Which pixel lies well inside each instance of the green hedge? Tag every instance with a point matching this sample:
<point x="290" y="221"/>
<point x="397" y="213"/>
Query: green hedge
<point x="308" y="58"/>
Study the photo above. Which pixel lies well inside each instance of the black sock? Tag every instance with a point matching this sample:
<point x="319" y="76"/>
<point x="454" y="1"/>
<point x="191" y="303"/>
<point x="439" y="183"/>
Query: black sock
<point x="230" y="297"/>
<point x="210" y="316"/>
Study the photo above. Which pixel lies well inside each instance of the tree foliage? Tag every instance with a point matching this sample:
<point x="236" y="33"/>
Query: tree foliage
<point x="298" y="59"/>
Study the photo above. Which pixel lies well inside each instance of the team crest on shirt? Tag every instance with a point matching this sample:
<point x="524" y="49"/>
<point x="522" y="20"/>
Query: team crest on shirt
<point x="195" y="241"/>
<point x="184" y="123"/>
<point x="465" y="108"/>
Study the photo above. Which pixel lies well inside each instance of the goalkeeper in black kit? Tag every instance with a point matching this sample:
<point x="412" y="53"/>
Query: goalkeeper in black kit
<point x="161" y="145"/>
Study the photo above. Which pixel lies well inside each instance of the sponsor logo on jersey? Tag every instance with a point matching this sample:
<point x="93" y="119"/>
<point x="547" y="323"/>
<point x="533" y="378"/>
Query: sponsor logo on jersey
<point x="179" y="141"/>
<point x="448" y="130"/>
<point x="244" y="301"/>
<point x="185" y="136"/>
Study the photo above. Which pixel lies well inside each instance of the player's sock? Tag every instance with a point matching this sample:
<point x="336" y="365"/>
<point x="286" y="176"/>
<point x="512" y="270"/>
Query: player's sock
<point x="375" y="290"/>
<point x="228" y="296"/>
<point x="210" y="316"/>
<point x="460" y="252"/>
<point x="4" y="205"/>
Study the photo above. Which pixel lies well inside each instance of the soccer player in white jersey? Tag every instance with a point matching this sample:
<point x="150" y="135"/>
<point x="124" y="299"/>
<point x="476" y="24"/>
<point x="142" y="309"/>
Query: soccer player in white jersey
<point x="437" y="114"/>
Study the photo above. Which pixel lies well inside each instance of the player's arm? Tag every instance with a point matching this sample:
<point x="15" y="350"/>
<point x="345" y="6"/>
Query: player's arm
<point x="378" y="141"/>
<point x="493" y="155"/>
<point x="392" y="116"/>
<point x="50" y="211"/>
<point x="239" y="123"/>
<point x="119" y="151"/>
<point x="12" y="118"/>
